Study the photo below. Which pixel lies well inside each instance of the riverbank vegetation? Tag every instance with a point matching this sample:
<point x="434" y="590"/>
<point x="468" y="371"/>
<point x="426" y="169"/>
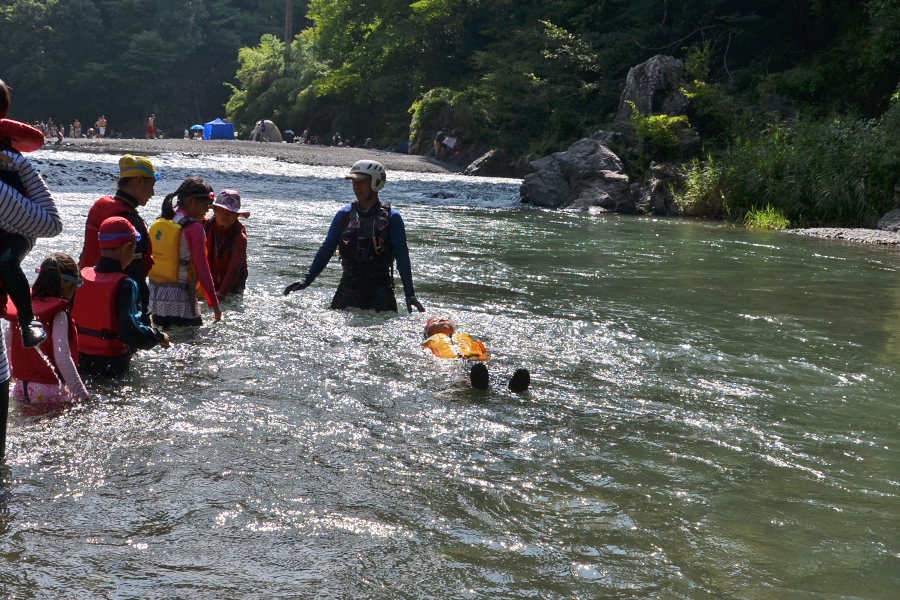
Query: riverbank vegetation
<point x="792" y="100"/>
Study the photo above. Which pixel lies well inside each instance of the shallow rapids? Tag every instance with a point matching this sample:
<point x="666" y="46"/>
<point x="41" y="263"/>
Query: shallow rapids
<point x="713" y="414"/>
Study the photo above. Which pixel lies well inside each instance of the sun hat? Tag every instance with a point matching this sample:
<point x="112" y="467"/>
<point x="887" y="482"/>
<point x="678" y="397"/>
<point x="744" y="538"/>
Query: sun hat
<point x="117" y="231"/>
<point x="230" y="200"/>
<point x="136" y="166"/>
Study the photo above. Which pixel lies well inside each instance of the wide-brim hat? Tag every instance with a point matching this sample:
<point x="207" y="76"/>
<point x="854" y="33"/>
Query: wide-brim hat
<point x="230" y="200"/>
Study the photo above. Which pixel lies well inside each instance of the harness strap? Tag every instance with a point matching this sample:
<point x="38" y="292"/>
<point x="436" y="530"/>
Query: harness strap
<point x="103" y="334"/>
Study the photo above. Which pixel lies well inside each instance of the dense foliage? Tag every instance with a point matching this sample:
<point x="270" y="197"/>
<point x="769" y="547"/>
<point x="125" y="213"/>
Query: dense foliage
<point x="126" y="59"/>
<point x="535" y="75"/>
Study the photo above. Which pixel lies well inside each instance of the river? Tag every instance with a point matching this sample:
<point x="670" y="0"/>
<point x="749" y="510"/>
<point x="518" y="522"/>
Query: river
<point x="713" y="414"/>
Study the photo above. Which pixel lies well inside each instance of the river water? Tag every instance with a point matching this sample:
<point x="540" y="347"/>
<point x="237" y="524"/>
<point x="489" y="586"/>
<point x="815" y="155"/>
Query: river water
<point x="713" y="414"/>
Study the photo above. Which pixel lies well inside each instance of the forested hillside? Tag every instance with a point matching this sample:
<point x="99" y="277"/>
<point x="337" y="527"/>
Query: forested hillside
<point x="68" y="59"/>
<point x="531" y="76"/>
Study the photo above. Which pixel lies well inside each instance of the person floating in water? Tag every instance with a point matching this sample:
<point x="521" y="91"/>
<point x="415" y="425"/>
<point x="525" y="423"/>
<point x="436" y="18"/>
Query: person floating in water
<point x="443" y="341"/>
<point x="370" y="236"/>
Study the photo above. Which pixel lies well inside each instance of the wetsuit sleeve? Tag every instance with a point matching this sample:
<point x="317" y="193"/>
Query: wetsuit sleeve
<point x="32" y="215"/>
<point x="128" y="310"/>
<point x="329" y="245"/>
<point x="238" y="258"/>
<point x="196" y="239"/>
<point x="401" y="252"/>
<point x="63" y="357"/>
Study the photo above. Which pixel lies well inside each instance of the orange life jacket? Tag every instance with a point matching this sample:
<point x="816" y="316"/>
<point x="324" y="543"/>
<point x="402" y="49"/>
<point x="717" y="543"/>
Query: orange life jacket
<point x="459" y="345"/>
<point x="26" y="363"/>
<point x="95" y="314"/>
<point x="104" y="208"/>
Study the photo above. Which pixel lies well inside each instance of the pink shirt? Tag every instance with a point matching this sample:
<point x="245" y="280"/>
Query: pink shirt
<point x="195" y="237"/>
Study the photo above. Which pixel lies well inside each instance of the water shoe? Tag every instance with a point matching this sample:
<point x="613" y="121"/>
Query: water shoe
<point x="520" y="381"/>
<point x="479" y="377"/>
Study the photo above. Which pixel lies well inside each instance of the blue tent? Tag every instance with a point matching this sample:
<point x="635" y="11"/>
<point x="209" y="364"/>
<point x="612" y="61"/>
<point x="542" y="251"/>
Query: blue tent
<point x="218" y="130"/>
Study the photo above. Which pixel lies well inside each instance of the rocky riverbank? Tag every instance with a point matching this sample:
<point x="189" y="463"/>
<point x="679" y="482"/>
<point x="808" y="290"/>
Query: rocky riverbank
<point x="862" y="236"/>
<point x="319" y="156"/>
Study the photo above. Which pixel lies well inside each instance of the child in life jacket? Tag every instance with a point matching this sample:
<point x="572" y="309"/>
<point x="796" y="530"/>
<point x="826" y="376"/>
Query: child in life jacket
<point x="107" y="312"/>
<point x="27" y="212"/>
<point x="179" y="249"/>
<point x="226" y="244"/>
<point x="52" y="377"/>
<point x="443" y="341"/>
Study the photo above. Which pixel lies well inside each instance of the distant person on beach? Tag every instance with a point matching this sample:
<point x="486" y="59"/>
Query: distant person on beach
<point x="27" y="212"/>
<point x="107" y="313"/>
<point x="370" y="236"/>
<point x="442" y="340"/>
<point x="439" y="145"/>
<point x="137" y="178"/>
<point x="226" y="244"/>
<point x="57" y="378"/>
<point x="100" y="126"/>
<point x="449" y="145"/>
<point x="150" y="132"/>
<point x="77" y="125"/>
<point x="180" y="263"/>
<point x="336" y="139"/>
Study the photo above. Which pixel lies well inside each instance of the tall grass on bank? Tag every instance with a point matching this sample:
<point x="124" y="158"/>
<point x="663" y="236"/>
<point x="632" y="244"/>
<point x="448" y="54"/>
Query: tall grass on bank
<point x="703" y="195"/>
<point x="766" y="218"/>
<point x="835" y="172"/>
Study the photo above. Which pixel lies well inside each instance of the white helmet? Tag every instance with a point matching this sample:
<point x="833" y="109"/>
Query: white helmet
<point x="373" y="169"/>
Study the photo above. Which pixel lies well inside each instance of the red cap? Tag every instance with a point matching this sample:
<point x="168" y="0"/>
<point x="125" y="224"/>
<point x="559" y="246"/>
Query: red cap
<point x="117" y="231"/>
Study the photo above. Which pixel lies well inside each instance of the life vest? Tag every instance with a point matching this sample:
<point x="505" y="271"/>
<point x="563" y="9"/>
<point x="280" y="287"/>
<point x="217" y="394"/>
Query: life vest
<point x="21" y="137"/>
<point x="459" y="345"/>
<point x="95" y="314"/>
<point x="26" y="363"/>
<point x="166" y="237"/>
<point x="104" y="208"/>
<point x="365" y="244"/>
<point x="220" y="250"/>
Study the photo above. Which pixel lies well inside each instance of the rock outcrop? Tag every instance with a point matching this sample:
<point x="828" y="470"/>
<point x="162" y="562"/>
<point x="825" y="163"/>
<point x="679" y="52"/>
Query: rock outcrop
<point x="890" y="221"/>
<point x="654" y="197"/>
<point x="586" y="175"/>
<point x="655" y="88"/>
<point x="493" y="163"/>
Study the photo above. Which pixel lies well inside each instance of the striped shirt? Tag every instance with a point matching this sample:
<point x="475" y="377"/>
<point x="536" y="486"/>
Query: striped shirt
<point x="4" y="362"/>
<point x="33" y="215"/>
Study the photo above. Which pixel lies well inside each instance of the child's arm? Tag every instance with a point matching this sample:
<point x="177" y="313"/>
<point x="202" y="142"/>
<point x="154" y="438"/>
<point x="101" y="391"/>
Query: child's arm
<point x="33" y="216"/>
<point x="64" y="359"/>
<point x="196" y="239"/>
<point x="238" y="258"/>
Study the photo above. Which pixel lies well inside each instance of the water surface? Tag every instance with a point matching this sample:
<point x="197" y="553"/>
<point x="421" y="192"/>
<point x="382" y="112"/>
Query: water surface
<point x="713" y="414"/>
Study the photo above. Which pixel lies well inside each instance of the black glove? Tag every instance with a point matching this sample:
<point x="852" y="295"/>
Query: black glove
<point x="412" y="301"/>
<point x="296" y="286"/>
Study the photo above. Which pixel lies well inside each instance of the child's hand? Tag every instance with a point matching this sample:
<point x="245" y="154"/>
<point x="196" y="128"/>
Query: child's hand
<point x="217" y="312"/>
<point x="164" y="342"/>
<point x="5" y="158"/>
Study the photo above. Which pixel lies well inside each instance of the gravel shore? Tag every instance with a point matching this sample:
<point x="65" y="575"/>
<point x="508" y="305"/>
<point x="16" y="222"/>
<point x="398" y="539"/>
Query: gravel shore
<point x="862" y="236"/>
<point x="319" y="156"/>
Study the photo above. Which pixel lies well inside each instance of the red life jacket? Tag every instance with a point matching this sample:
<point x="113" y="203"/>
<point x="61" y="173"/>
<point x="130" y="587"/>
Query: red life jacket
<point x="20" y="136"/>
<point x="26" y="363"/>
<point x="219" y="258"/>
<point x="104" y="208"/>
<point x="95" y="314"/>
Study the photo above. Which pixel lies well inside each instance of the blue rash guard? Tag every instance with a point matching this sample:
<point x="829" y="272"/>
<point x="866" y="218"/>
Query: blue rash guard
<point x="397" y="234"/>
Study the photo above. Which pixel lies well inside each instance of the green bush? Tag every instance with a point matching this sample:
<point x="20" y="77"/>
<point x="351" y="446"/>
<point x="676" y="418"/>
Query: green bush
<point x="834" y="172"/>
<point x="703" y="195"/>
<point x="658" y="132"/>
<point x="766" y="218"/>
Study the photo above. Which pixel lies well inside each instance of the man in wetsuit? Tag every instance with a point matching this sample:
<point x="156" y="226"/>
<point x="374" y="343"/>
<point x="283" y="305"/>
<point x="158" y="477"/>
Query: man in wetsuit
<point x="370" y="237"/>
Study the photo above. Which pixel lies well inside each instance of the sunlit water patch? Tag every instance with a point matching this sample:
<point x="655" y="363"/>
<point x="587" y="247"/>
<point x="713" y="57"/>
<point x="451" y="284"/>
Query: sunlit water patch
<point x="713" y="414"/>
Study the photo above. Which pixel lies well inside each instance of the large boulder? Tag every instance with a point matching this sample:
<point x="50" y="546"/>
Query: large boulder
<point x="890" y="221"/>
<point x="655" y="88"/>
<point x="586" y="175"/>
<point x="654" y="197"/>
<point x="494" y="163"/>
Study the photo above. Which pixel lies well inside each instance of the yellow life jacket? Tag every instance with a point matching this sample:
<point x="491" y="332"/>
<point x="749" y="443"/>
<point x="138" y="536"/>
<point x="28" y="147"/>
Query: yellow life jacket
<point x="459" y="345"/>
<point x="165" y="235"/>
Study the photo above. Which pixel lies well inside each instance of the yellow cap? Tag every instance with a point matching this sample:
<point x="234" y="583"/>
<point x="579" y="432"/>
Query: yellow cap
<point x="136" y="166"/>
